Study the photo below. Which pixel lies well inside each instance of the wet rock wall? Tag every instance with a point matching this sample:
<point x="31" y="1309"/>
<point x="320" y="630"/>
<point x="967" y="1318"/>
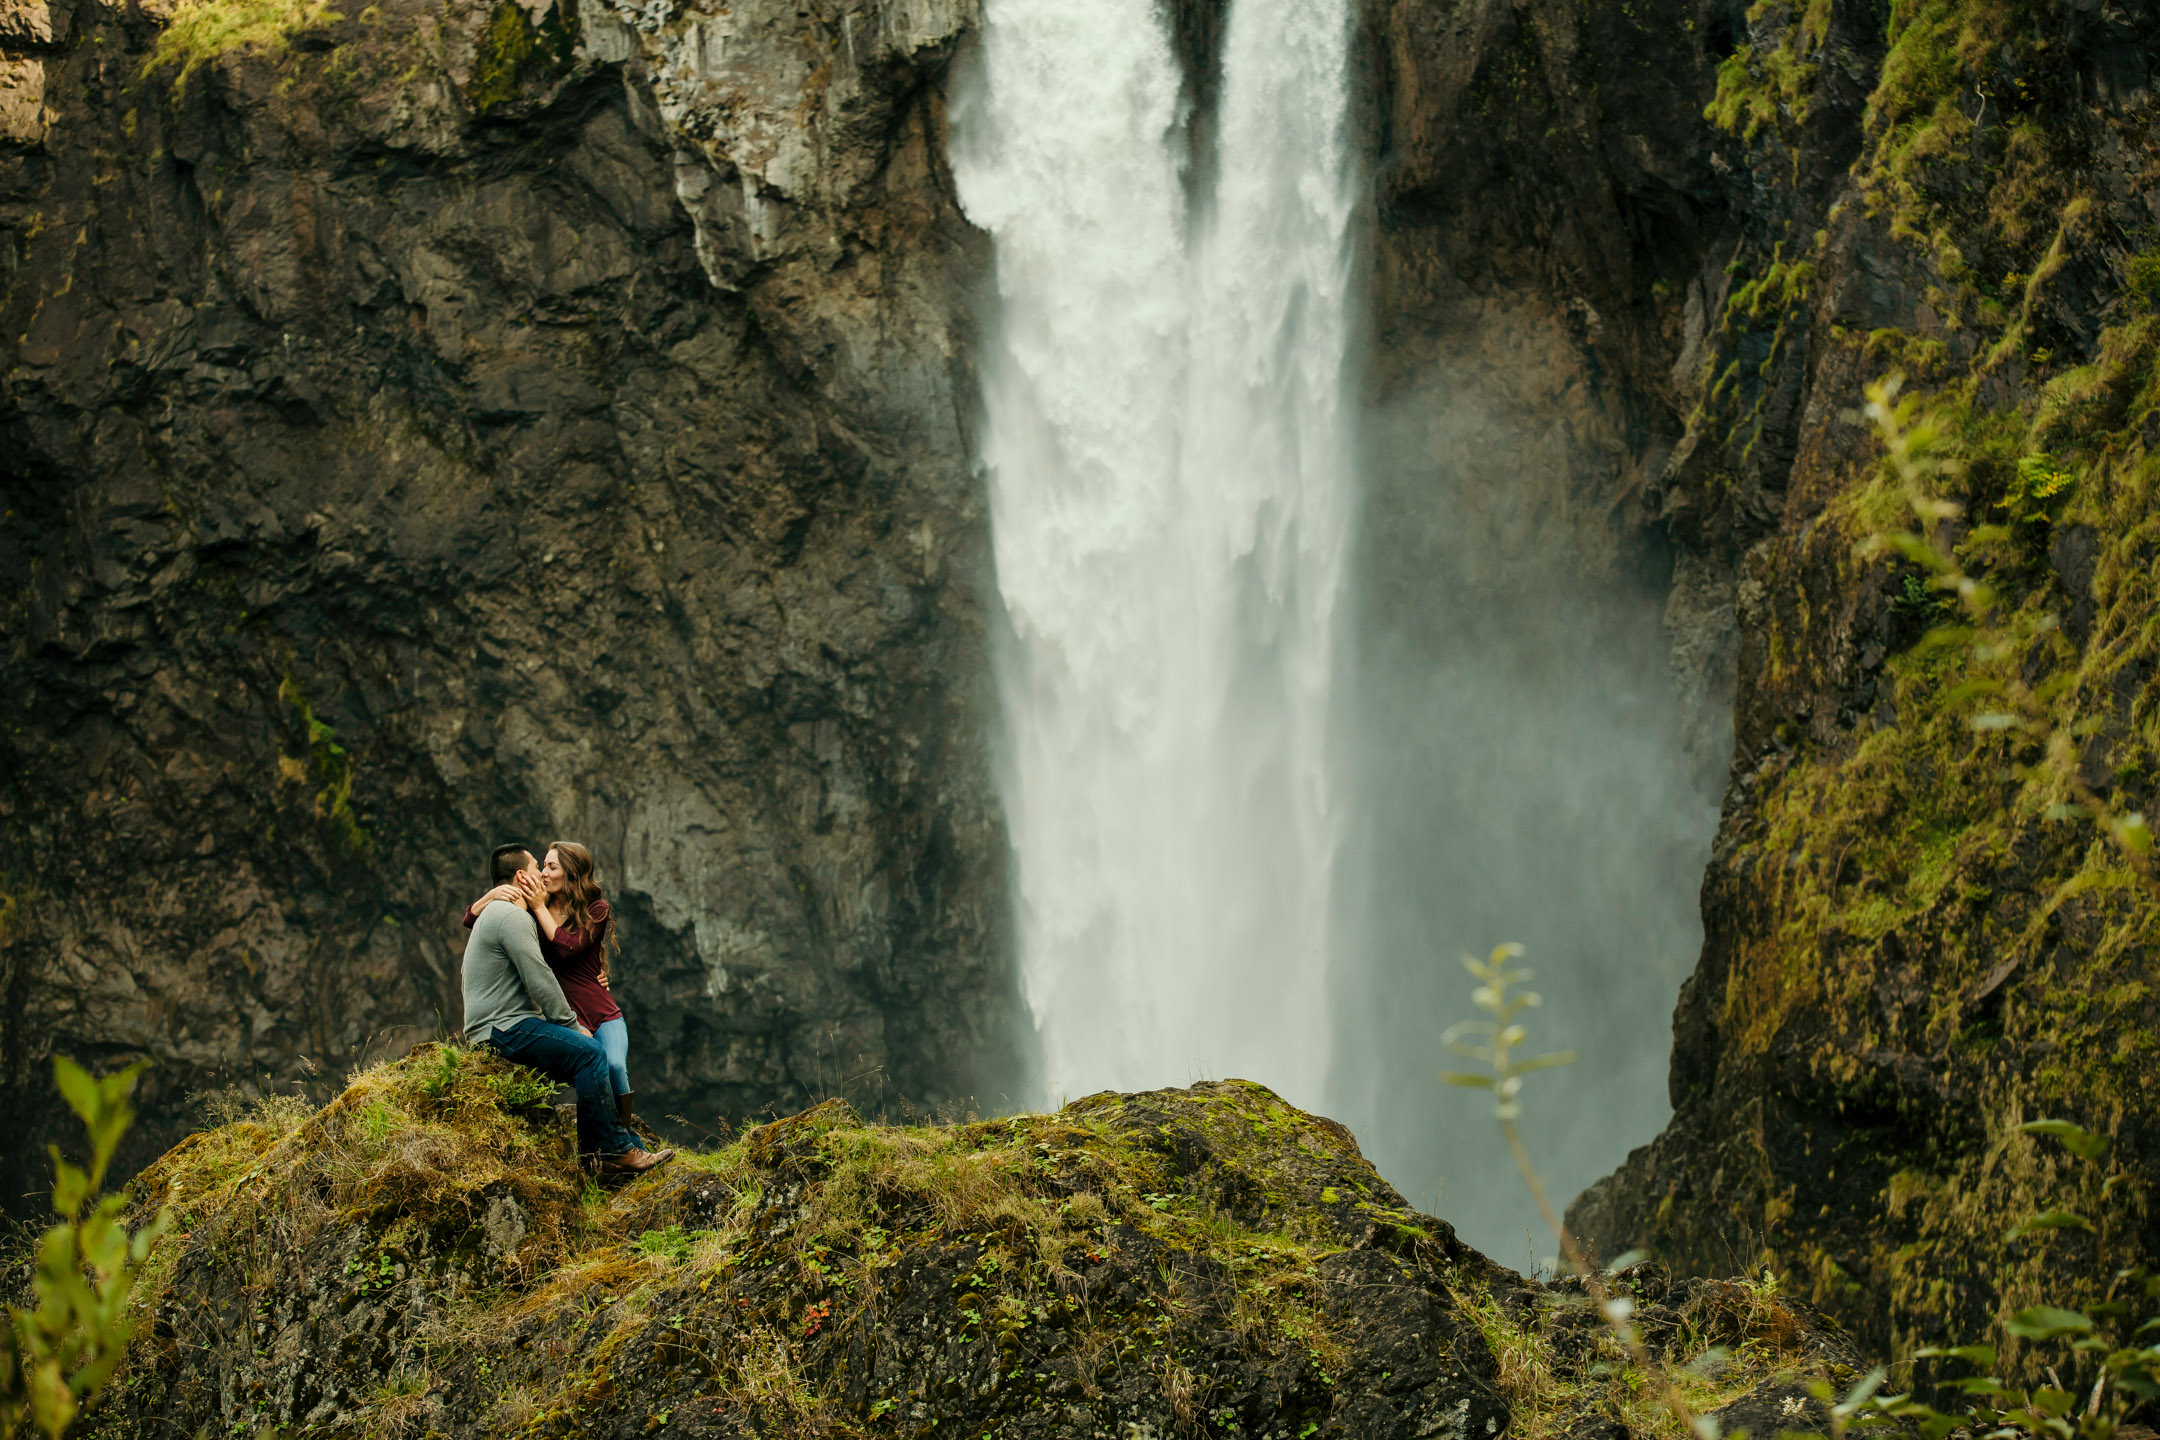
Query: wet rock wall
<point x="450" y="423"/>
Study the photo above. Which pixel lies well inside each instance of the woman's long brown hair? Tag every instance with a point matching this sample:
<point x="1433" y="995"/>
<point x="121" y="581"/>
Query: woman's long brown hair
<point x="583" y="892"/>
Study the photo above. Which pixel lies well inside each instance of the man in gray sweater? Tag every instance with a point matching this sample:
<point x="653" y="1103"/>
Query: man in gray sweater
<point x="514" y="1006"/>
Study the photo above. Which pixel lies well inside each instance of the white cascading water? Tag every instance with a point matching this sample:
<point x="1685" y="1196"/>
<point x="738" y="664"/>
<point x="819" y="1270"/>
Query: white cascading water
<point x="1171" y="496"/>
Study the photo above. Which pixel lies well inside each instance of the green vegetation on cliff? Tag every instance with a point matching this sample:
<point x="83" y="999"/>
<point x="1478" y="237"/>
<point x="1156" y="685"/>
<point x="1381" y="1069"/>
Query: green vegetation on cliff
<point x="1771" y="87"/>
<point x="1931" y="915"/>
<point x="328" y="764"/>
<point x="198" y="31"/>
<point x="517" y="50"/>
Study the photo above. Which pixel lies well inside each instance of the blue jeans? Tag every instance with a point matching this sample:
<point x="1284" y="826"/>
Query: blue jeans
<point x="614" y="1038"/>
<point x="565" y="1055"/>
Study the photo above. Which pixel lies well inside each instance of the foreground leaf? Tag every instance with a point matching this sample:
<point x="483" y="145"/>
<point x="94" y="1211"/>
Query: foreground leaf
<point x="2046" y="1322"/>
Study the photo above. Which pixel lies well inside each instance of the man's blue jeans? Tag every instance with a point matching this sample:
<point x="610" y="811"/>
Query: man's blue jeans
<point x="563" y="1054"/>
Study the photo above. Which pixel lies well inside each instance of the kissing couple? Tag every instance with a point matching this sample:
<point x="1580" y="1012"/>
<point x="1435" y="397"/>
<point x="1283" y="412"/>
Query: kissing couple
<point x="536" y="992"/>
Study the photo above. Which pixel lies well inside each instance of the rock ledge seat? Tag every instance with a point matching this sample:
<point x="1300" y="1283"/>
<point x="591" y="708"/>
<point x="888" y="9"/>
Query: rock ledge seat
<point x="421" y="1258"/>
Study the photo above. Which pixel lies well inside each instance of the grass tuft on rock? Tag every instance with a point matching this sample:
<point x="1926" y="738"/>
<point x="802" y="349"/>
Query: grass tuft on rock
<point x="199" y="31"/>
<point x="1564" y="1372"/>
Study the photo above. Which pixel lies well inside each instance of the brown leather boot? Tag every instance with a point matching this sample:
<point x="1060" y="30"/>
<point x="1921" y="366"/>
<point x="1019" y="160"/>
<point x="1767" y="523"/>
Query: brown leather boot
<point x="635" y="1162"/>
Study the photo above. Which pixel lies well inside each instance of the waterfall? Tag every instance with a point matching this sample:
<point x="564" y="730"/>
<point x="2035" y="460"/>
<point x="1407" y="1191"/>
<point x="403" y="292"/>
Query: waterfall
<point x="1166" y="436"/>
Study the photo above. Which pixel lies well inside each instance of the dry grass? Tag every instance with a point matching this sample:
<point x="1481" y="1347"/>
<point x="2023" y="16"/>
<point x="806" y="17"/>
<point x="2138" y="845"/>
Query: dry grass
<point x="1720" y="1341"/>
<point x="519" y="1407"/>
<point x="398" y="1409"/>
<point x="766" y="1380"/>
<point x="1181" y="1391"/>
<point x="1091" y="1353"/>
<point x="422" y="1145"/>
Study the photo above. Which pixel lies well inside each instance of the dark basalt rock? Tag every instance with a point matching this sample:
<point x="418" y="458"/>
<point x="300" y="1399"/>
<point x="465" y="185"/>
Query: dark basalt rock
<point x="435" y="431"/>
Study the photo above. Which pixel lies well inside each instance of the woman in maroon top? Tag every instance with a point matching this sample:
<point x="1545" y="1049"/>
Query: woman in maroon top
<point x="577" y="941"/>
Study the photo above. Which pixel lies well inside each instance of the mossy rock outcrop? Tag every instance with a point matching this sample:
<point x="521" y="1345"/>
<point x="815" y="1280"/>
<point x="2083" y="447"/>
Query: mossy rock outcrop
<point x="1920" y="934"/>
<point x="422" y="1258"/>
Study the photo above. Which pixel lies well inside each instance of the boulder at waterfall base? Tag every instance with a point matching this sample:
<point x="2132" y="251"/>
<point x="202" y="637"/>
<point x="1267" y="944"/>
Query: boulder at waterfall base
<point x="423" y="1258"/>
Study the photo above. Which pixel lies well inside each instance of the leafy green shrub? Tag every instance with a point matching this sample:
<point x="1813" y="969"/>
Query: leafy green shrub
<point x="442" y="1079"/>
<point x="2040" y="481"/>
<point x="1918" y="600"/>
<point x="56" y="1357"/>
<point x="2104" y="1366"/>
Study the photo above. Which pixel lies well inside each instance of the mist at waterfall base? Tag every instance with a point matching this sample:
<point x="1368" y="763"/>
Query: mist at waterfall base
<point x="1519" y="776"/>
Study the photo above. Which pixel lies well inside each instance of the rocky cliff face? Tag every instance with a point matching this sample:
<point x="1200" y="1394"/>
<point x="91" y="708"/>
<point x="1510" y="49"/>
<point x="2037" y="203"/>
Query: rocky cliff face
<point x="415" y="1260"/>
<point x="1635" y="268"/>
<point x="1546" y="200"/>
<point x="447" y="422"/>
<point x="444" y="422"/>
<point x="1921" y="934"/>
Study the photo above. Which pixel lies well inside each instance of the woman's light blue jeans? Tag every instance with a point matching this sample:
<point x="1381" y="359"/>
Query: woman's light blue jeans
<point x="614" y="1038"/>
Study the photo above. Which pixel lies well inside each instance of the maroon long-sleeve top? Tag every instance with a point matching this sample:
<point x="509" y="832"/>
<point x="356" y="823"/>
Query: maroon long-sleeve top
<point x="575" y="958"/>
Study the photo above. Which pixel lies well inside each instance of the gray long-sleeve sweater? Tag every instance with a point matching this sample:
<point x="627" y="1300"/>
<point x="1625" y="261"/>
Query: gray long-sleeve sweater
<point x="506" y="980"/>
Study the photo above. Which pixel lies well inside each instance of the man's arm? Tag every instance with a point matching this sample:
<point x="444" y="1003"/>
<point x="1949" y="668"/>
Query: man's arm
<point x="522" y="943"/>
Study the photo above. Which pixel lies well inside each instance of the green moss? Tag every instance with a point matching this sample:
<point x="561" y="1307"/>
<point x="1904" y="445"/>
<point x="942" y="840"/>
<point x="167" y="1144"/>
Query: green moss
<point x="1932" y="849"/>
<point x="2143" y="276"/>
<point x="1781" y="287"/>
<point x="1153" y="1238"/>
<point x="404" y="1152"/>
<point x="1758" y="90"/>
<point x="328" y="766"/>
<point x="201" y="30"/>
<point x="1758" y="87"/>
<point x="1940" y="847"/>
<point x="1913" y="356"/>
<point x="515" y="53"/>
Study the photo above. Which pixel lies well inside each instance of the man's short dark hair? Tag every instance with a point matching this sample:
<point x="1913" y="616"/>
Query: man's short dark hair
<point x="506" y="861"/>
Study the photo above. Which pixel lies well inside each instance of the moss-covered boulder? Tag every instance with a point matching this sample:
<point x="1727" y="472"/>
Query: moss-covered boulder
<point x="422" y="1257"/>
